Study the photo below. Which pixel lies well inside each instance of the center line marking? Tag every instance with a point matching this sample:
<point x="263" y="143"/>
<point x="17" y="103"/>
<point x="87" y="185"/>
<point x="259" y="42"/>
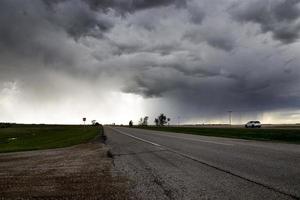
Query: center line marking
<point x="137" y="138"/>
<point x="191" y="139"/>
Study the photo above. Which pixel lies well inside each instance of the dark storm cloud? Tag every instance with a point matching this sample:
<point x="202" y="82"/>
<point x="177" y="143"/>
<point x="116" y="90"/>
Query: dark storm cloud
<point x="196" y="13"/>
<point x="192" y="54"/>
<point x="75" y="17"/>
<point x="79" y="20"/>
<point x="281" y="17"/>
<point x="213" y="37"/>
<point x="132" y="5"/>
<point x="34" y="35"/>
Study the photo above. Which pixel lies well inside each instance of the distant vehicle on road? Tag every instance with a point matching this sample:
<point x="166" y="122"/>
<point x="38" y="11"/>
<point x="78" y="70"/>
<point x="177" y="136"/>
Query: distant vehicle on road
<point x="253" y="124"/>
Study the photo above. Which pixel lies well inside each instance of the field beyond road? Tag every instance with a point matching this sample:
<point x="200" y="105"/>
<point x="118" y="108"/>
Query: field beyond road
<point x="264" y="134"/>
<point x="19" y="137"/>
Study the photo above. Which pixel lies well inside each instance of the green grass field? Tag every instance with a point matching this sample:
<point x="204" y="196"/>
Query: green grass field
<point x="278" y="135"/>
<point x="33" y="137"/>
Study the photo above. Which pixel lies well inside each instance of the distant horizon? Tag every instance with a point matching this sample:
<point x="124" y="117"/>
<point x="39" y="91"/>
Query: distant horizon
<point x="150" y="124"/>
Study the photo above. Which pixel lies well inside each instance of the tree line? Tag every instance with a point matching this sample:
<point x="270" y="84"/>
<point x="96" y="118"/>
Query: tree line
<point x="161" y="120"/>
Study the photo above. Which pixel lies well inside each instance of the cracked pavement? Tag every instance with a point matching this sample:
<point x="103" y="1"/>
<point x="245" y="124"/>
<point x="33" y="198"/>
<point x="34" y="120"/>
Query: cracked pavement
<point x="179" y="166"/>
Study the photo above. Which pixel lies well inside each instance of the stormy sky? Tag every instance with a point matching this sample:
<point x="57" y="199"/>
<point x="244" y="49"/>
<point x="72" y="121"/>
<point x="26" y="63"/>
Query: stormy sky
<point x="116" y="60"/>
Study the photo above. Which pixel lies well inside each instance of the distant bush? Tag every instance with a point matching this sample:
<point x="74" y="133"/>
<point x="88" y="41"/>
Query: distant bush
<point x="5" y="125"/>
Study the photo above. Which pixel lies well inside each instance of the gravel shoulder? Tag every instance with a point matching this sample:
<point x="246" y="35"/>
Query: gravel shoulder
<point x="78" y="172"/>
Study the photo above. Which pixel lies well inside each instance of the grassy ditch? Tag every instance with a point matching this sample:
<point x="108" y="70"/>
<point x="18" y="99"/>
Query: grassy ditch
<point x="278" y="135"/>
<point x="33" y="137"/>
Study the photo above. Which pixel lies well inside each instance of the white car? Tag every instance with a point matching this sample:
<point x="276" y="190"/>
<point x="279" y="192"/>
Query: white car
<point x="253" y="124"/>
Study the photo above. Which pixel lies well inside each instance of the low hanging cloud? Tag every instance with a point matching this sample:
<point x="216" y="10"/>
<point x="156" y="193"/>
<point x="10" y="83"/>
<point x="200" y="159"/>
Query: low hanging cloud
<point x="280" y="17"/>
<point x="123" y="6"/>
<point x="196" y="58"/>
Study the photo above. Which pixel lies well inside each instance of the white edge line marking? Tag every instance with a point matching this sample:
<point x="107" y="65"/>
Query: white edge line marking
<point x="191" y="139"/>
<point x="129" y="135"/>
<point x="199" y="140"/>
<point x="155" y="144"/>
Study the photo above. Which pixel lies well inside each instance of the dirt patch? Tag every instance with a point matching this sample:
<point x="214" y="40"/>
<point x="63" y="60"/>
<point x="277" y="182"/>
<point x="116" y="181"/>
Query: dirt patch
<point x="78" y="172"/>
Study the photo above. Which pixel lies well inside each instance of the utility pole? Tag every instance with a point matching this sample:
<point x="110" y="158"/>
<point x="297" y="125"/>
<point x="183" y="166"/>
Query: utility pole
<point x="178" y="120"/>
<point x="229" y="113"/>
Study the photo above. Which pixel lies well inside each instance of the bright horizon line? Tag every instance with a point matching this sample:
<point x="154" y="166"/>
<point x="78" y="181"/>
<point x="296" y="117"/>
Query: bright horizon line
<point x="183" y="124"/>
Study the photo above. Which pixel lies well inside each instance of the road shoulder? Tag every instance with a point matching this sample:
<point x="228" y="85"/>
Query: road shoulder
<point x="81" y="171"/>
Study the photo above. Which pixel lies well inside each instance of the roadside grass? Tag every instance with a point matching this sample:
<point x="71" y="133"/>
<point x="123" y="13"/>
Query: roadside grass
<point x="277" y="135"/>
<point x="34" y="137"/>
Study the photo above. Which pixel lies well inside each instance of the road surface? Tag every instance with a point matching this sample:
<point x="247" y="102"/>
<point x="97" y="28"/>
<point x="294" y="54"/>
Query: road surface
<point x="166" y="165"/>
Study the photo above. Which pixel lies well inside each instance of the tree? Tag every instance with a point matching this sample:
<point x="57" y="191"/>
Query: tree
<point x="141" y="121"/>
<point x="130" y="123"/>
<point x="161" y="120"/>
<point x="156" y="122"/>
<point x="145" y="121"/>
<point x="94" y="122"/>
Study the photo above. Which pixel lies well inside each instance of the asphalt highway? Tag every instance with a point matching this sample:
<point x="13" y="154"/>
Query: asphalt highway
<point x="164" y="165"/>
